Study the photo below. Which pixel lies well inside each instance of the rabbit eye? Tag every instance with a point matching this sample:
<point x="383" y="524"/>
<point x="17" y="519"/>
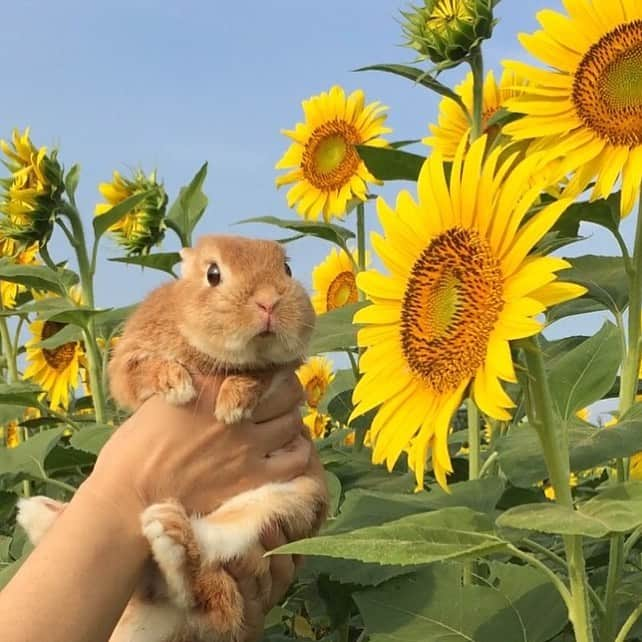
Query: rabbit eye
<point x="288" y="271"/>
<point x="213" y="274"/>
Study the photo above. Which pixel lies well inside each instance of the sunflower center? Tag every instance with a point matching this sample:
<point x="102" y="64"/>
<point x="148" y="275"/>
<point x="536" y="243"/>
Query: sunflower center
<point x="314" y="391"/>
<point x="329" y="157"/>
<point x="607" y="89"/>
<point x="453" y="299"/>
<point x="57" y="358"/>
<point x="342" y="290"/>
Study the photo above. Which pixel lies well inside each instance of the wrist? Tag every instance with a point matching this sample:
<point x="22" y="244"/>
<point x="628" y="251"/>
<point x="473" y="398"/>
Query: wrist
<point x="108" y="499"/>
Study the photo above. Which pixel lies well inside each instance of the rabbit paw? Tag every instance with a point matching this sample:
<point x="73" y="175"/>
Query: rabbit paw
<point x="175" y="384"/>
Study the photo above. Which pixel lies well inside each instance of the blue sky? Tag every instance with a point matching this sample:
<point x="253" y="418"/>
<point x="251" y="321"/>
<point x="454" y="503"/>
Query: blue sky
<point x="168" y="85"/>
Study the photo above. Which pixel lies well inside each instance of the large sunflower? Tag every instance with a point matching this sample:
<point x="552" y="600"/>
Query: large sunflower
<point x="453" y="125"/>
<point x="323" y="162"/>
<point x="315" y="376"/>
<point x="56" y="370"/>
<point x="334" y="282"/>
<point x="461" y="286"/>
<point x="588" y="107"/>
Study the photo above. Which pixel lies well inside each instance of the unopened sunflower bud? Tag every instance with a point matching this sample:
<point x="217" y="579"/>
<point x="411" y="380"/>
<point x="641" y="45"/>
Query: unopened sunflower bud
<point x="445" y="31"/>
<point x="144" y="226"/>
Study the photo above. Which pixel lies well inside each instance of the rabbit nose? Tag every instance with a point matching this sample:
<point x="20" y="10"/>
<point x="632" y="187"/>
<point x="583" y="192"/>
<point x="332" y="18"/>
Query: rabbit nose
<point x="266" y="306"/>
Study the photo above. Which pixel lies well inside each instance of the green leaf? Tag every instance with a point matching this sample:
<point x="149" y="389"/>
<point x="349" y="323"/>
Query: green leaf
<point x="163" y="261"/>
<point x="107" y="321"/>
<point x="29" y="456"/>
<point x="71" y="181"/>
<point x="19" y="394"/>
<point x="327" y="231"/>
<point x="91" y="438"/>
<point x="334" y="330"/>
<point x="7" y="572"/>
<point x="603" y="276"/>
<point x="68" y="334"/>
<point x="586" y="373"/>
<point x="343" y="380"/>
<point x="617" y="509"/>
<point x="38" y="277"/>
<point x="186" y="211"/>
<point x="447" y="534"/>
<point x="416" y="75"/>
<point x="11" y="412"/>
<point x="388" y="164"/>
<point x="334" y="489"/>
<point x="8" y="502"/>
<point x="604" y="212"/>
<point x="433" y="605"/>
<point x="520" y="454"/>
<point x="374" y="507"/>
<point x="104" y="221"/>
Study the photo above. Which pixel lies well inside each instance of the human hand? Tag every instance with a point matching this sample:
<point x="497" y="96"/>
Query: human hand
<point x="183" y="452"/>
<point x="262" y="593"/>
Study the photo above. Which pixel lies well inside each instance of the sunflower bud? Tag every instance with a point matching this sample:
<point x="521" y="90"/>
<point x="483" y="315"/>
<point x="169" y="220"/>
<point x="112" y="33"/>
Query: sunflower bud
<point x="445" y="31"/>
<point x="30" y="196"/>
<point x="144" y="226"/>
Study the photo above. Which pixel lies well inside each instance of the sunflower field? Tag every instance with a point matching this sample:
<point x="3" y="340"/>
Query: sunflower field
<point x="486" y="478"/>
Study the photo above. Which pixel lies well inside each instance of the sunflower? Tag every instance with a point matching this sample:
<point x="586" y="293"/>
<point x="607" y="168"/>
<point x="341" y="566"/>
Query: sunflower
<point x="25" y="256"/>
<point x="334" y="282"/>
<point x="317" y="422"/>
<point x="453" y="125"/>
<point x="588" y="106"/>
<point x="11" y="434"/>
<point x="461" y="286"/>
<point x="31" y="193"/>
<point x="143" y="227"/>
<point x="315" y="376"/>
<point x="57" y="369"/>
<point x="323" y="161"/>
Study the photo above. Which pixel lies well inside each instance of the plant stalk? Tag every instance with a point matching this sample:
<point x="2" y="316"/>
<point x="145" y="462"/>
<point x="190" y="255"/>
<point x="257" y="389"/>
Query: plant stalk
<point x="628" y="389"/>
<point x="6" y="346"/>
<point x="473" y="440"/>
<point x="555" y="447"/>
<point x="476" y="62"/>
<point x="361" y="237"/>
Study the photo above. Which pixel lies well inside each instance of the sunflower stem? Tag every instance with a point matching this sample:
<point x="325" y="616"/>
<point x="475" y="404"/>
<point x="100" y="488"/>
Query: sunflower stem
<point x="554" y="441"/>
<point x="628" y="624"/>
<point x="86" y="268"/>
<point x="361" y="237"/>
<point x="476" y="62"/>
<point x="628" y="389"/>
<point x="6" y="348"/>
<point x="473" y="440"/>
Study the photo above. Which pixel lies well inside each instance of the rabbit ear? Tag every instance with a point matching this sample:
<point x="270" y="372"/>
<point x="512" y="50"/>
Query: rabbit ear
<point x="187" y="260"/>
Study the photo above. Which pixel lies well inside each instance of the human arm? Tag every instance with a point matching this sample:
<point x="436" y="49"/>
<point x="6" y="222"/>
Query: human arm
<point x="76" y="583"/>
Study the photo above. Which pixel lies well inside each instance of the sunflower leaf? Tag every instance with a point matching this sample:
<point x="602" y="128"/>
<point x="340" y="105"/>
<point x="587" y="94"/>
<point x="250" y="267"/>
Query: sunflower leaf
<point x="327" y="231"/>
<point x="506" y="602"/>
<point x="617" y="509"/>
<point x="603" y="276"/>
<point x="448" y="534"/>
<point x="71" y="182"/>
<point x="520" y="453"/>
<point x="186" y="211"/>
<point x="38" y="277"/>
<point x="19" y="394"/>
<point x="92" y="438"/>
<point x="28" y="457"/>
<point x="418" y="76"/>
<point x="163" y="261"/>
<point x="587" y="372"/>
<point x="103" y="222"/>
<point x="388" y="164"/>
<point x="68" y="334"/>
<point x="334" y="330"/>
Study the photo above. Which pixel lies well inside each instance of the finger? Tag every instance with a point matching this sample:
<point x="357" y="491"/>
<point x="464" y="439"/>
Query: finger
<point x="286" y="395"/>
<point x="206" y="392"/>
<point x="272" y="435"/>
<point x="288" y="462"/>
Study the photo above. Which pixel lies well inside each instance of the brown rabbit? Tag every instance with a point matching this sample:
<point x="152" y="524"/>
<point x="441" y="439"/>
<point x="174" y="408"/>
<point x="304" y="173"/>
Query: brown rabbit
<point x="235" y="310"/>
